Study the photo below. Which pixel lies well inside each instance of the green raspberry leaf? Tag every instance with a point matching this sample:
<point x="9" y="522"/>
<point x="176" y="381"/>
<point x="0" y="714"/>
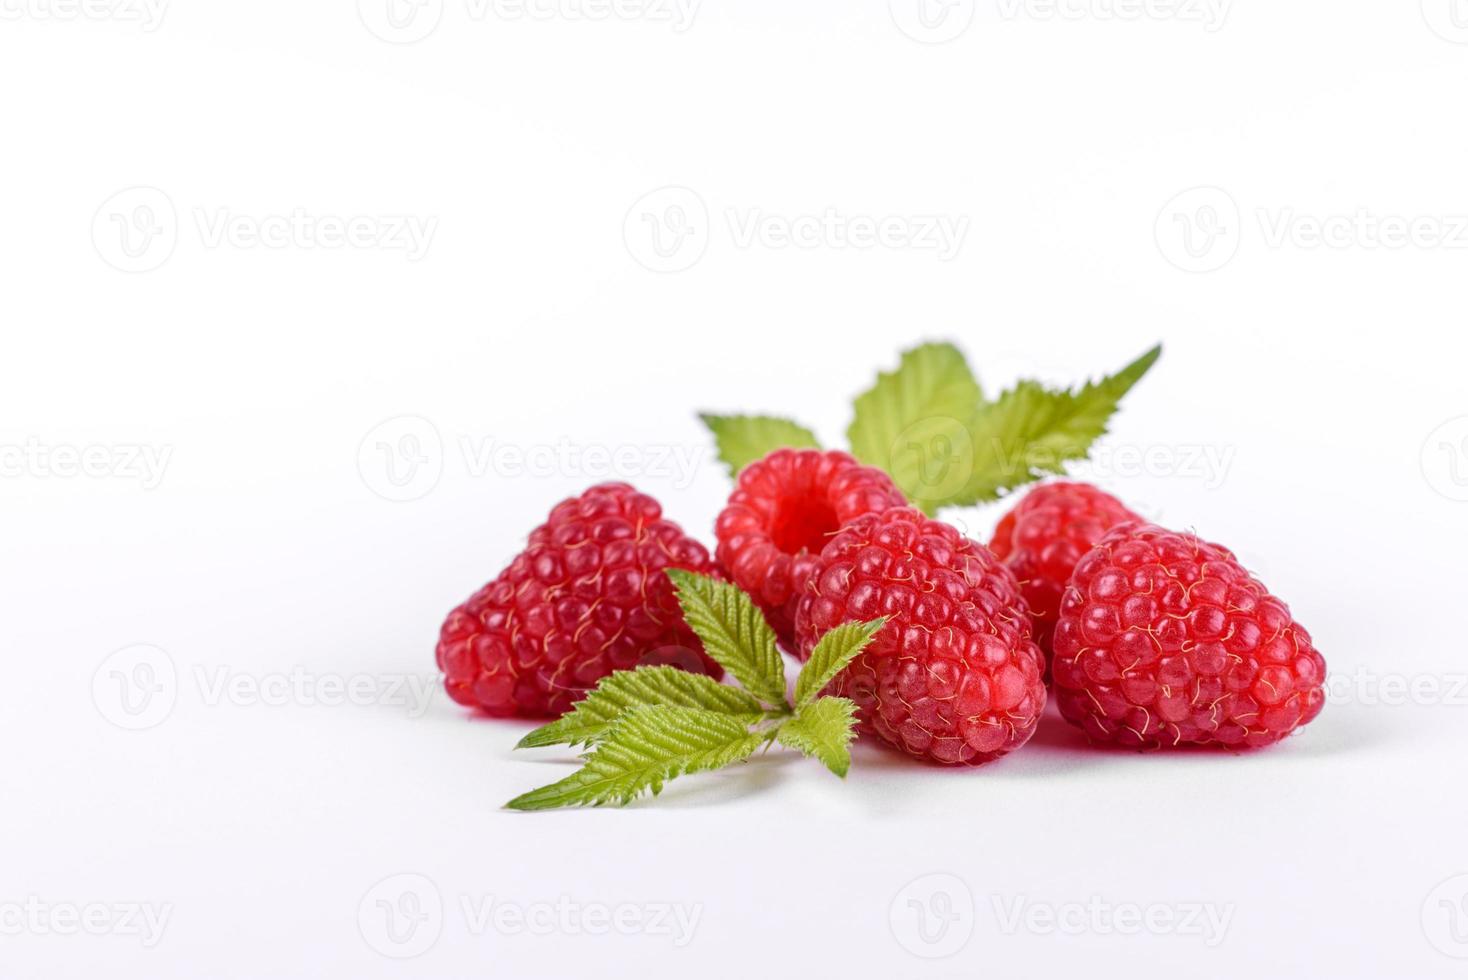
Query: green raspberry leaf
<point x="734" y="633"/>
<point x="742" y="439"/>
<point x="1031" y="431"/>
<point x="824" y="729"/>
<point x="837" y="648"/>
<point x="643" y="687"/>
<point x="646" y="747"/>
<point x="913" y="421"/>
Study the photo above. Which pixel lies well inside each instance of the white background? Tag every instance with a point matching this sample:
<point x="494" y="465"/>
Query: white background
<point x="261" y="817"/>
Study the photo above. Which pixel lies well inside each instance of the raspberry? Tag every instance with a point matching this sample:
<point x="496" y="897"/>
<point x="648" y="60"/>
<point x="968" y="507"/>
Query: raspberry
<point x="587" y="597"/>
<point x="783" y="510"/>
<point x="1166" y="640"/>
<point x="954" y="676"/>
<point x="1044" y="536"/>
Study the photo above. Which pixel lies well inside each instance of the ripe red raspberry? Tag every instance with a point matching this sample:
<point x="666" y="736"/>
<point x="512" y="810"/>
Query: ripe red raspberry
<point x="1044" y="536"/>
<point x="954" y="676"/>
<point x="587" y="597"/>
<point x="783" y="510"/>
<point x="1166" y="640"/>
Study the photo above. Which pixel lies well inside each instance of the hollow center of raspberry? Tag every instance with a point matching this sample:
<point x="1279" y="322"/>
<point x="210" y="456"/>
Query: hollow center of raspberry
<point x="803" y="523"/>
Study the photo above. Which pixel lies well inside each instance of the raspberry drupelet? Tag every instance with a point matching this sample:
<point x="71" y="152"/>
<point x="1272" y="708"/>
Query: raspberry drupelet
<point x="587" y="596"/>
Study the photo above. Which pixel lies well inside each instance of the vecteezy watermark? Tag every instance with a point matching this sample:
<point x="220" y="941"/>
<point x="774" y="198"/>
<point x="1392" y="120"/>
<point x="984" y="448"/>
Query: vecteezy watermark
<point x="1362" y="229"/>
<point x="33" y="458"/>
<point x="138" y="229"/>
<point x="932" y="21"/>
<point x="668" y="230"/>
<point x="147" y="14"/>
<point x="1207" y="921"/>
<point x="1211" y="14"/>
<point x="1447" y="18"/>
<point x="1368" y="688"/>
<point x="935" y="457"/>
<point x="933" y="916"/>
<point x="832" y="229"/>
<point x="1445" y="917"/>
<point x="1201" y="230"/>
<point x="33" y="916"/>
<point x="1207" y="464"/>
<point x="936" y="21"/>
<point x="409" y="21"/>
<point x="403" y="916"/>
<point x="403" y="459"/>
<point x="138" y="687"/>
<point x="1445" y="459"/>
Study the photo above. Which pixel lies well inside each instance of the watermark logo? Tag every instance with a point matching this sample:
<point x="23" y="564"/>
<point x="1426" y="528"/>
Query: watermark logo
<point x="1445" y="459"/>
<point x="1445" y="917"/>
<point x="404" y="915"/>
<point x="934" y="457"/>
<point x="401" y="916"/>
<point x="143" y="921"/>
<point x="667" y="230"/>
<point x="932" y="21"/>
<point x="1199" y="229"/>
<point x="933" y="916"/>
<point x="1447" y="18"/>
<point x="147" y="14"/>
<point x="136" y="687"/>
<point x="401" y="459"/>
<point x="136" y="229"/>
<point x="400" y="21"/>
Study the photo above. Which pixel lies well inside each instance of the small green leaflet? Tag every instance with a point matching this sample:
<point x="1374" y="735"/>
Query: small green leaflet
<point x="913" y="420"/>
<point x="644" y="748"/>
<point x="742" y="439"/>
<point x="649" y="725"/>
<point x="734" y="633"/>
<point x="824" y="730"/>
<point x="1032" y="431"/>
<point x="831" y="655"/>
<point x="643" y="687"/>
